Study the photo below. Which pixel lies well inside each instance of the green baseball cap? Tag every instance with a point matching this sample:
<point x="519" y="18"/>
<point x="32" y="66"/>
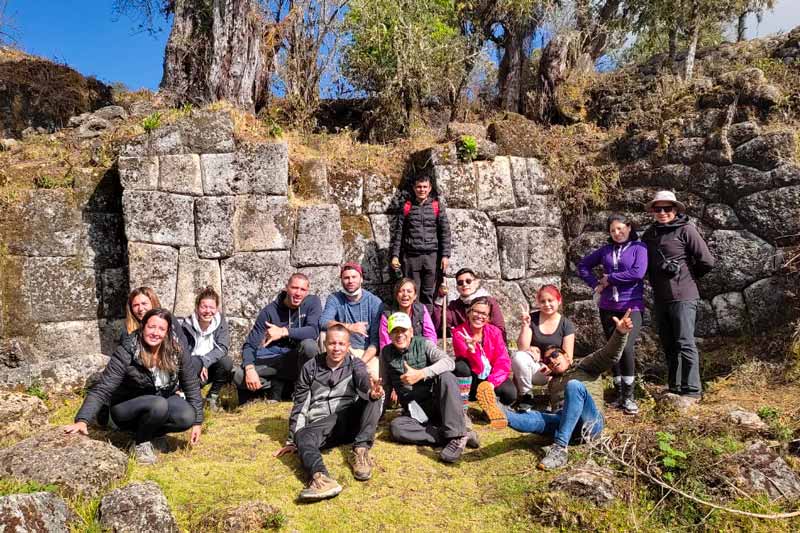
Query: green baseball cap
<point x="399" y="320"/>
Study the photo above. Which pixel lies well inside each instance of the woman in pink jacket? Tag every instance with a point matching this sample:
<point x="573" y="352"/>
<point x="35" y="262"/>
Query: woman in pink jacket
<point x="481" y="353"/>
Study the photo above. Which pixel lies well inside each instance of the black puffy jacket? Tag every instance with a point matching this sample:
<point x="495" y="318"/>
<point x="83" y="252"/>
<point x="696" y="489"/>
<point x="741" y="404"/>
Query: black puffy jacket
<point x="421" y="231"/>
<point x="125" y="377"/>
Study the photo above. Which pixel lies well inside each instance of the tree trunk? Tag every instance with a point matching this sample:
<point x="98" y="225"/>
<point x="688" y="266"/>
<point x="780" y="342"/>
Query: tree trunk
<point x="510" y="71"/>
<point x="673" y="45"/>
<point x="692" y="50"/>
<point x="216" y="52"/>
<point x="553" y="68"/>
<point x="741" y="27"/>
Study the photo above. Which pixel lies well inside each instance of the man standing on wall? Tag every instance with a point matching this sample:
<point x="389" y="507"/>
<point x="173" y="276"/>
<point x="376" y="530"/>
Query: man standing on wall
<point x="421" y="238"/>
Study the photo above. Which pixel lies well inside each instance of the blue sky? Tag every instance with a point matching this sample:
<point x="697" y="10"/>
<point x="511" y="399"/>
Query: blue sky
<point x="87" y="36"/>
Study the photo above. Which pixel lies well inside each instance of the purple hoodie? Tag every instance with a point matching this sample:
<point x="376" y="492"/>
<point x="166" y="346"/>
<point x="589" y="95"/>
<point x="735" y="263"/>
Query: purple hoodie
<point x="625" y="289"/>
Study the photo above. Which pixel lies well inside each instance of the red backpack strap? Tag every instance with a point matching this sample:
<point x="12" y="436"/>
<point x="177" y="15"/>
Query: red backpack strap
<point x="406" y="208"/>
<point x="435" y="205"/>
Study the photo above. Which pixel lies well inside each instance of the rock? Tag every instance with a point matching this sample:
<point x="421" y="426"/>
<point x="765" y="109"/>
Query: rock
<point x="589" y="334"/>
<point x="218" y="173"/>
<point x="193" y="275"/>
<point x="673" y="177"/>
<point x="79" y="465"/>
<point x="721" y="216"/>
<point x="513" y="136"/>
<point x="736" y="181"/>
<point x="360" y="246"/>
<point x="93" y="127"/>
<point x="742" y="258"/>
<point x="41" y="222"/>
<point x="155" y="266"/>
<point x="706" y="321"/>
<point x="262" y="223"/>
<point x="20" y="414"/>
<point x="686" y="150"/>
<point x="380" y="195"/>
<point x="747" y="420"/>
<point x="767" y="151"/>
<point x="347" y="191"/>
<point x="114" y="292"/>
<point x="180" y="174"/>
<point x="637" y="146"/>
<point x="139" y="173"/>
<point x="58" y="288"/>
<point x="111" y="112"/>
<point x="529" y="179"/>
<point x="586" y="243"/>
<point x="313" y="179"/>
<point x="542" y="211"/>
<point x="240" y="329"/>
<point x="786" y="175"/>
<point x="774" y="214"/>
<point x="39" y="512"/>
<point x="530" y="286"/>
<point x="438" y="155"/>
<point x="588" y="482"/>
<point x="9" y="145"/>
<point x="546" y="251"/>
<point x="574" y="289"/>
<point x="766" y="303"/>
<point x="513" y="244"/>
<point x="455" y="130"/>
<point x="252" y="280"/>
<point x="137" y="508"/>
<point x="102" y="241"/>
<point x="704" y="179"/>
<point x="73" y="338"/>
<point x="495" y="190"/>
<point x="77" y="120"/>
<point x="486" y="150"/>
<point x="97" y="190"/>
<point x="318" y="238"/>
<point x="731" y="313"/>
<point x="214" y="226"/>
<point x="458" y="185"/>
<point x="208" y="132"/>
<point x="758" y="469"/>
<point x="57" y="376"/>
<point x="636" y="174"/>
<point x="512" y="303"/>
<point x="324" y="280"/>
<point x="679" y="402"/>
<point x="741" y="132"/>
<point x="141" y="108"/>
<point x="159" y="217"/>
<point x="473" y="228"/>
<point x="381" y="231"/>
<point x="244" y="518"/>
<point x="262" y="169"/>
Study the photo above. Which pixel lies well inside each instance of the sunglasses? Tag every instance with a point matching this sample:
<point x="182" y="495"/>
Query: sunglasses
<point x="550" y="358"/>
<point x="463" y="282"/>
<point x="663" y="209"/>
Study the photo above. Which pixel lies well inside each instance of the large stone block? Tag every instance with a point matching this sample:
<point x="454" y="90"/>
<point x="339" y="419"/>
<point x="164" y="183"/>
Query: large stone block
<point x="20" y="415"/>
<point x="721" y="216"/>
<point x="324" y="280"/>
<point x="262" y="169"/>
<point x="194" y="274"/>
<point x="476" y="245"/>
<point x="766" y="304"/>
<point x="380" y="194"/>
<point x="360" y="246"/>
<point x="102" y="240"/>
<point x="686" y="150"/>
<point x="59" y="340"/>
<point x="156" y="266"/>
<point x="742" y="258"/>
<point x="98" y="190"/>
<point x="786" y="175"/>
<point x="59" y="288"/>
<point x="239" y="329"/>
<point x="56" y="376"/>
<point x="219" y="173"/>
<point x="180" y="174"/>
<point x="731" y="313"/>
<point x="319" y="236"/>
<point x="114" y="284"/>
<point x="704" y="180"/>
<point x="575" y="289"/>
<point x="381" y="230"/>
<point x="495" y="190"/>
<point x="262" y="223"/>
<point x="41" y="222"/>
<point x="159" y="217"/>
<point x="513" y="244"/>
<point x="165" y="140"/>
<point x="250" y="280"/>
<point x="589" y="334"/>
<point x="766" y="151"/>
<point x="347" y="191"/>
<point x="458" y="185"/>
<point x="738" y="180"/>
<point x="512" y="303"/>
<point x="541" y="211"/>
<point x="546" y="251"/>
<point x="774" y="215"/>
<point x="138" y="173"/>
<point x="207" y="132"/>
<point x="586" y="243"/>
<point x="214" y="223"/>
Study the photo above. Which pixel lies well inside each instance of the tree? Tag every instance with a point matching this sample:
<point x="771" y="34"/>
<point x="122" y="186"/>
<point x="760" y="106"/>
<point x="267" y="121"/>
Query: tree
<point x="6" y="24"/>
<point x="755" y="7"/>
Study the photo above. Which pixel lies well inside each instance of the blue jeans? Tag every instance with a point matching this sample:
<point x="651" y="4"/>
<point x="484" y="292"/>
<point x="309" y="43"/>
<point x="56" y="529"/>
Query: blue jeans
<point x="578" y="415"/>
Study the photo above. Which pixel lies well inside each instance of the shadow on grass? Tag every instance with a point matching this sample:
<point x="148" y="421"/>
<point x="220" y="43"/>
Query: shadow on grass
<point x="275" y="427"/>
<point x="523" y="442"/>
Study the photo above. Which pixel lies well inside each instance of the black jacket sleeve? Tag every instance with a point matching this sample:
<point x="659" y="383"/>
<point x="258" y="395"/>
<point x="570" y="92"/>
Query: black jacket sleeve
<point x="701" y="260"/>
<point x="302" y="396"/>
<point x="100" y="394"/>
<point x="190" y="385"/>
<point x="254" y="338"/>
<point x="443" y="231"/>
<point x="361" y="378"/>
<point x="396" y="237"/>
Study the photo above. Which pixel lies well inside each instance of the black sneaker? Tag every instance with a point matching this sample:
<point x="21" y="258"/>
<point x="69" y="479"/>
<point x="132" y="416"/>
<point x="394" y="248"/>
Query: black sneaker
<point x="556" y="458"/>
<point x="453" y="450"/>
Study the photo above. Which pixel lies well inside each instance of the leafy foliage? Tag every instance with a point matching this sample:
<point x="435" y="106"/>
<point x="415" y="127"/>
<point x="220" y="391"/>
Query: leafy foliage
<point x="151" y="122"/>
<point x="467" y="148"/>
<point x="672" y="459"/>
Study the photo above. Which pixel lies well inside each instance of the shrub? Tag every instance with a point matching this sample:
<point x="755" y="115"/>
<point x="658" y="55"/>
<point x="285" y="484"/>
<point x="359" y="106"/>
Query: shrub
<point x="151" y="122"/>
<point x="467" y="148"/>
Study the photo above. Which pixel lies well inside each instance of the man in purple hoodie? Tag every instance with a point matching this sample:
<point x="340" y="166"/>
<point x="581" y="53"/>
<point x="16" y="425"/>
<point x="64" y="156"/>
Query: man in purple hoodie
<point x="620" y="288"/>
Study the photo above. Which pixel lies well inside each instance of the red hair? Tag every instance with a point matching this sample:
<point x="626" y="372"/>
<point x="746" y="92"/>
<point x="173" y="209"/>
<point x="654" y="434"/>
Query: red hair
<point x="552" y="289"/>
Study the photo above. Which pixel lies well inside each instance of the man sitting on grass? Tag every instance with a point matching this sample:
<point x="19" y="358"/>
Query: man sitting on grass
<point x="575" y="394"/>
<point x="335" y="402"/>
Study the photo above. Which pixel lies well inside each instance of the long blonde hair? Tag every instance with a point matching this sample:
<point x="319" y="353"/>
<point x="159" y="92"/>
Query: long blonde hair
<point x="166" y="355"/>
<point x="131" y="322"/>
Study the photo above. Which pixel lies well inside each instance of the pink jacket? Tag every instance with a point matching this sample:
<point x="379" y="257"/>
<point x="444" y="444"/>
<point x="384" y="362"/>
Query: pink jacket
<point x="494" y="348"/>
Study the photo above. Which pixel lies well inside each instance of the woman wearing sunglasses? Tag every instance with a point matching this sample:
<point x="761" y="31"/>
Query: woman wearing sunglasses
<point x="624" y="262"/>
<point x="677" y="255"/>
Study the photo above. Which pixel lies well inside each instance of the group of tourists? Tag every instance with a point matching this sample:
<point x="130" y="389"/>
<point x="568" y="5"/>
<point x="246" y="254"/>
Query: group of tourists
<point x="343" y="366"/>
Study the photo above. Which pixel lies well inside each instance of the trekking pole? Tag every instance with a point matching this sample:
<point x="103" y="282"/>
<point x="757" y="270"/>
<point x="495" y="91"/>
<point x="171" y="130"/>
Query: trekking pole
<point x="444" y="320"/>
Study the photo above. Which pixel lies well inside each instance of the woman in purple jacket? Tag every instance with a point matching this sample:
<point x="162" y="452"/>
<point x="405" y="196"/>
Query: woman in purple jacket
<point x="624" y="262"/>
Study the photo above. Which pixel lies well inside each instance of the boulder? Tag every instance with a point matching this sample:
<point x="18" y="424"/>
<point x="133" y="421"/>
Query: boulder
<point x="218" y="173"/>
<point x="79" y="465"/>
<point x="674" y="176"/>
<point x="262" y="223"/>
<point x="111" y="112"/>
<point x="262" y="169"/>
<point x="360" y="246"/>
<point x="486" y="150"/>
<point x="240" y="329"/>
<point x="39" y="512"/>
<point x="741" y="132"/>
<point x="73" y="338"/>
<point x="312" y="181"/>
<point x="546" y="251"/>
<point x="542" y="211"/>
<point x="589" y="334"/>
<point x="742" y="258"/>
<point x="721" y="216"/>
<point x="77" y="120"/>
<point x="736" y="181"/>
<point x="766" y="151"/>
<point x="41" y="222"/>
<point x="775" y="214"/>
<point x="252" y="280"/>
<point x="214" y="226"/>
<point x="159" y="217"/>
<point x="731" y="313"/>
<point x="528" y="178"/>
<point x="588" y="482"/>
<point x="636" y="174"/>
<point x="193" y="275"/>
<point x="758" y="469"/>
<point x="785" y="175"/>
<point x="380" y="195"/>
<point x="347" y="191"/>
<point x="93" y="127"/>
<point x="156" y="266"/>
<point x="244" y="518"/>
<point x="208" y="132"/>
<point x="140" y="173"/>
<point x="704" y="180"/>
<point x="686" y="150"/>
<point x="476" y="245"/>
<point x="574" y="289"/>
<point x="458" y="185"/>
<point x="56" y="376"/>
<point x="747" y="420"/>
<point x="634" y="200"/>
<point x="97" y="189"/>
<point x="766" y="304"/>
<point x="513" y="136"/>
<point x="586" y="243"/>
<point x="438" y="155"/>
<point x="381" y="230"/>
<point x="706" y="320"/>
<point x="180" y="174"/>
<point x="137" y="508"/>
<point x="102" y="241"/>
<point x="636" y="146"/>
<point x="20" y="414"/>
<point x="318" y="240"/>
<point x="456" y="130"/>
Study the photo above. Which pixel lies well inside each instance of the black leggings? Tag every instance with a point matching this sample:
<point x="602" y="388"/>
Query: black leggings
<point x="506" y="392"/>
<point x="152" y="416"/>
<point x="627" y="364"/>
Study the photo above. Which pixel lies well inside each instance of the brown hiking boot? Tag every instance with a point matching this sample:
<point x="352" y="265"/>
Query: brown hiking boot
<point x="319" y="488"/>
<point x="488" y="402"/>
<point x="362" y="465"/>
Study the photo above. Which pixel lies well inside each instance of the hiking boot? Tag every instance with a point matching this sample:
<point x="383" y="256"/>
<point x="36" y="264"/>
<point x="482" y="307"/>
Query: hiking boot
<point x="556" y="458"/>
<point x="488" y="402"/>
<point x="212" y="403"/>
<point x="144" y="453"/>
<point x="319" y="488"/>
<point x="619" y="390"/>
<point x="473" y="441"/>
<point x="453" y="450"/>
<point x="362" y="465"/>
<point x="626" y="403"/>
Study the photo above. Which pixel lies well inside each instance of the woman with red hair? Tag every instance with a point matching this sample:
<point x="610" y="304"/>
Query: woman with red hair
<point x="542" y="329"/>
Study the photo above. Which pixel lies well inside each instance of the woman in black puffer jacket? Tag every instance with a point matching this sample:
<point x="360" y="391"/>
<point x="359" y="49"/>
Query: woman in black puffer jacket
<point x="141" y="382"/>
